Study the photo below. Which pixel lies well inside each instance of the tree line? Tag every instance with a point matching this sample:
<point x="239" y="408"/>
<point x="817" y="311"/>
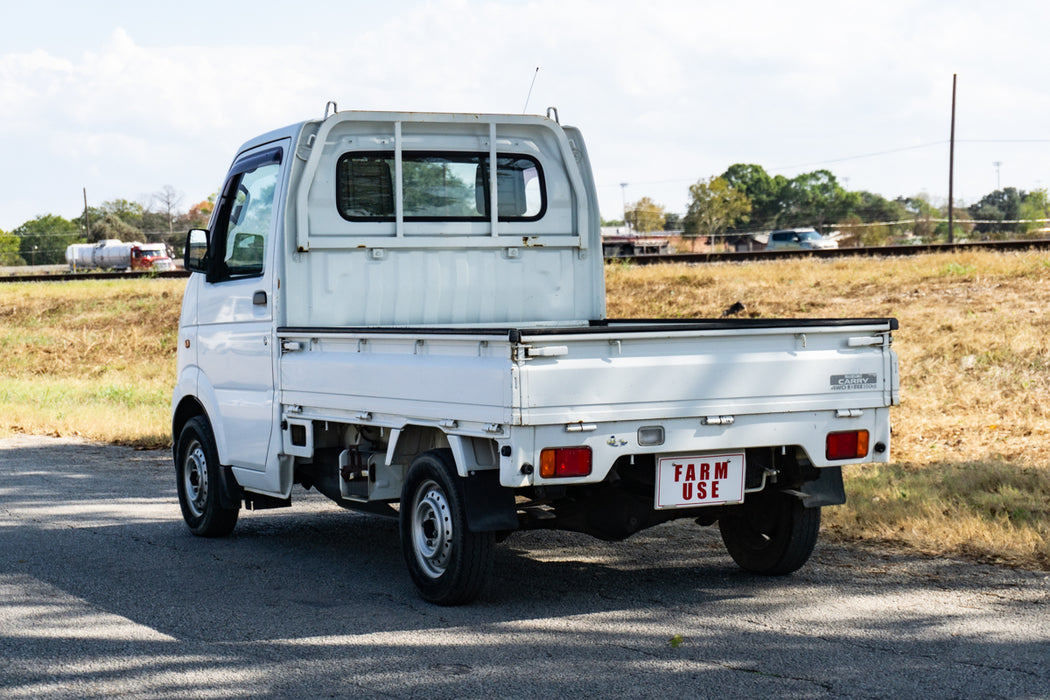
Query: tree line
<point x="743" y="198"/>
<point x="747" y="198"/>
<point x="43" y="240"/>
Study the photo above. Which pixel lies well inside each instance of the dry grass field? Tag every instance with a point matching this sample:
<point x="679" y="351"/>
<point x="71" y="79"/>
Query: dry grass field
<point x="971" y="451"/>
<point x="89" y="358"/>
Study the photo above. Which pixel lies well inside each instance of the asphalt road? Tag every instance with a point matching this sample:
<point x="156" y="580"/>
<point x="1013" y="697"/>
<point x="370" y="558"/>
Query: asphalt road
<point x="104" y="592"/>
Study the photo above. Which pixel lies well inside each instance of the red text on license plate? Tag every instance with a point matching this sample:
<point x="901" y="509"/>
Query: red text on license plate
<point x="699" y="480"/>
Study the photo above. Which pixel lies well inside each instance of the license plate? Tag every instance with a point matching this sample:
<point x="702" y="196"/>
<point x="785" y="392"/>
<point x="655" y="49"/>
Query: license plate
<point x="699" y="480"/>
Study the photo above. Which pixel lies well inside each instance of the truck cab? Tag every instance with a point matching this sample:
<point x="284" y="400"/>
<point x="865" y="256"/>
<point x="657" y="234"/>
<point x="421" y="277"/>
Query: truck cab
<point x="151" y="256"/>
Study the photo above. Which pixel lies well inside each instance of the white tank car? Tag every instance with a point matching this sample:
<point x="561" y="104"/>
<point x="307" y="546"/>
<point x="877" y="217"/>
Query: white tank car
<point x="108" y="254"/>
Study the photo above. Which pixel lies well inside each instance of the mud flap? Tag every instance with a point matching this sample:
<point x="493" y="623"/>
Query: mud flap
<point x="825" y="490"/>
<point x="230" y="492"/>
<point x="490" y="507"/>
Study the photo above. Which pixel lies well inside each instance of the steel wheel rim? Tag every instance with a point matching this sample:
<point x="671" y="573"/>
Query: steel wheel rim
<point x="432" y="529"/>
<point x="195" y="478"/>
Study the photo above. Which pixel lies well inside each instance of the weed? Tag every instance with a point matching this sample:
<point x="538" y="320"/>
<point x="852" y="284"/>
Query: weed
<point x="954" y="269"/>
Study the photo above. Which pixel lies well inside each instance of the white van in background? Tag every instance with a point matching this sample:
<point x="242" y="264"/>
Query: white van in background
<point x="799" y="239"/>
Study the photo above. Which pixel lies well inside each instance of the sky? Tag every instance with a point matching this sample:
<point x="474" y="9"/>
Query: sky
<point x="125" y="98"/>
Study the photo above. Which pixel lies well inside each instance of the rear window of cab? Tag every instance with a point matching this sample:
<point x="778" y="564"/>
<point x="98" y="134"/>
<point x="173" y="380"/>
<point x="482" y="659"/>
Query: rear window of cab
<point x="438" y="186"/>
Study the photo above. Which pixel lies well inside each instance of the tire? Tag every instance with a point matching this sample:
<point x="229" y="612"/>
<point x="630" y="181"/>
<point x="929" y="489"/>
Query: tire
<point x="772" y="534"/>
<point x="197" y="476"/>
<point x="448" y="563"/>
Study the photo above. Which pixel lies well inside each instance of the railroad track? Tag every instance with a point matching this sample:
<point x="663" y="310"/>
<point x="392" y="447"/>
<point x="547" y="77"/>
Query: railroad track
<point x="691" y="258"/>
<point x="70" y="276"/>
<point x="874" y="251"/>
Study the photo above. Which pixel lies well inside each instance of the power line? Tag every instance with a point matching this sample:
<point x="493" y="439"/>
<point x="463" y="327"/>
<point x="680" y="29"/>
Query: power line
<point x="861" y="156"/>
<point x="1002" y="140"/>
<point x="843" y="159"/>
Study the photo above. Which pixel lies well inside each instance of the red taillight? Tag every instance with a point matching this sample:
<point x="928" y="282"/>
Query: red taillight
<point x="851" y="444"/>
<point x="565" y="461"/>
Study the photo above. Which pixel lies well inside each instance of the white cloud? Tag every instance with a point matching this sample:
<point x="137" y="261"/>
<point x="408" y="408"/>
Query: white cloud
<point x="666" y="92"/>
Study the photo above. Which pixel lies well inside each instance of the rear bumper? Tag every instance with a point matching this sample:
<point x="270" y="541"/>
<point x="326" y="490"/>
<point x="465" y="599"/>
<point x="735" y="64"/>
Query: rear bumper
<point x="610" y="441"/>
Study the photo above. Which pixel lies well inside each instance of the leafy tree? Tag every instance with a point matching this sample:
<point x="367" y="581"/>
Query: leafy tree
<point x="198" y="215"/>
<point x="672" y="222"/>
<point x="645" y="215"/>
<point x="864" y="222"/>
<point x="713" y="207"/>
<point x="87" y="220"/>
<point x="763" y="191"/>
<point x="9" y="250"/>
<point x="810" y="199"/>
<point x="118" y="214"/>
<point x="923" y="212"/>
<point x="43" y="240"/>
<point x="815" y="199"/>
<point x="997" y="207"/>
<point x="129" y="212"/>
<point x="852" y="231"/>
<point x="876" y="208"/>
<point x="112" y="226"/>
<point x="963" y="225"/>
<point x="155" y="226"/>
<point x="1035" y="205"/>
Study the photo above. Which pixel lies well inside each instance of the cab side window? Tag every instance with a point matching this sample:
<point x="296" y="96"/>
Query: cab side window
<point x="245" y="219"/>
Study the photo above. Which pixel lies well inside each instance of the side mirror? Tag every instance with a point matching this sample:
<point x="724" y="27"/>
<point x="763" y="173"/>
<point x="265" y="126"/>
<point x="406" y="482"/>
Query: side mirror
<point x="197" y="259"/>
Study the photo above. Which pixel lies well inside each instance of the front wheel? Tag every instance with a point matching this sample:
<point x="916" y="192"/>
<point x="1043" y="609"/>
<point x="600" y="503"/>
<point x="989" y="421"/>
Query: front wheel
<point x="448" y="563"/>
<point x="772" y="533"/>
<point x="197" y="478"/>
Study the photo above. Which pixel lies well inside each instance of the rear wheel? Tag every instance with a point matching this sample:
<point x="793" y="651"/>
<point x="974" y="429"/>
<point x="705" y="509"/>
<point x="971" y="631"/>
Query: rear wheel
<point x="772" y="533"/>
<point x="197" y="478"/>
<point x="448" y="563"/>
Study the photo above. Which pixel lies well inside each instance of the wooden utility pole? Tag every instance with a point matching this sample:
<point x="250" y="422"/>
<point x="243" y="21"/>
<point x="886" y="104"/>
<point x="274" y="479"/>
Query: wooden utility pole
<point x="951" y="171"/>
<point x="87" y="218"/>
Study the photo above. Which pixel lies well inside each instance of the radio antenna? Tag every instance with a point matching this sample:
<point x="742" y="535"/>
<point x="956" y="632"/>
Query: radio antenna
<point x="537" y="72"/>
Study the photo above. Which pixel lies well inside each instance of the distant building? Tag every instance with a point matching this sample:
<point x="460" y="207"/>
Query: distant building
<point x="618" y="242"/>
<point x="746" y="241"/>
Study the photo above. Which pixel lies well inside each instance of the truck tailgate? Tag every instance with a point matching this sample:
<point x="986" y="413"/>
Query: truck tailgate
<point x="655" y="371"/>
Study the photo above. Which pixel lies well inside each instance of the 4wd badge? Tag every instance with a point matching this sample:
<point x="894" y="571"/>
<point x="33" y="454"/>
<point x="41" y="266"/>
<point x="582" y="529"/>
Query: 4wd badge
<point x="853" y="382"/>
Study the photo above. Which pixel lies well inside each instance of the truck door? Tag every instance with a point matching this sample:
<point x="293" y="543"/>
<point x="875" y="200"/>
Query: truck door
<point x="235" y="307"/>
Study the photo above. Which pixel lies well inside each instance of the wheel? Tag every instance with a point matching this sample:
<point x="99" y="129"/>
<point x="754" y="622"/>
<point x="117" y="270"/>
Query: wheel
<point x="448" y="563"/>
<point x="771" y="534"/>
<point x="197" y="478"/>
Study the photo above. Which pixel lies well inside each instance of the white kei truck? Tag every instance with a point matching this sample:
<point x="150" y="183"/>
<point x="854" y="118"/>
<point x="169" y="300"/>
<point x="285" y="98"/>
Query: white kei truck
<point x="406" y="312"/>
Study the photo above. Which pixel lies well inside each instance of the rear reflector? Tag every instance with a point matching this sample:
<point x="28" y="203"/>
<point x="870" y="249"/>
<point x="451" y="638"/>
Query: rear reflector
<point x="565" y="461"/>
<point x="851" y="444"/>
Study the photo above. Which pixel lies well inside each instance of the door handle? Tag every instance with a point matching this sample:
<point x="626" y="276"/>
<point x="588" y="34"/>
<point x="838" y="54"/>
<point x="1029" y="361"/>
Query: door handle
<point x="259" y="298"/>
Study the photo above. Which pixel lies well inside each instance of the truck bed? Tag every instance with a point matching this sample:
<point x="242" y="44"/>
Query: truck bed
<point x="623" y="370"/>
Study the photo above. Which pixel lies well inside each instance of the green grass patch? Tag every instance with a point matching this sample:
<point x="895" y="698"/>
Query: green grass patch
<point x="109" y="410"/>
<point x="954" y="269"/>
